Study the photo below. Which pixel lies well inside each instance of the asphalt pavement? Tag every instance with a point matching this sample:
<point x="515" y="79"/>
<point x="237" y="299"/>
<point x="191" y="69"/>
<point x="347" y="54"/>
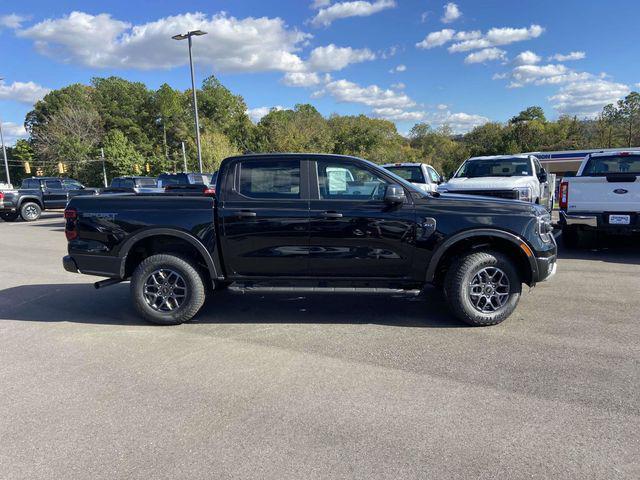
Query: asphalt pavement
<point x="289" y="386"/>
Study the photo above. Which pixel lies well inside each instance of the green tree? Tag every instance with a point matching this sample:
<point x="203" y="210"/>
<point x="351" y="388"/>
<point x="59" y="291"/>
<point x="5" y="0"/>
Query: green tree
<point x="371" y="138"/>
<point x="122" y="156"/>
<point x="530" y="114"/>
<point x="216" y="146"/>
<point x="302" y="129"/>
<point x="629" y="114"/>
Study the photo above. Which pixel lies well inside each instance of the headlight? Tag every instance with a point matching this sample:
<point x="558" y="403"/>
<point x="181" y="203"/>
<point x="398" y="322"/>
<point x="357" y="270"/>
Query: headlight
<point x="545" y="228"/>
<point x="524" y="193"/>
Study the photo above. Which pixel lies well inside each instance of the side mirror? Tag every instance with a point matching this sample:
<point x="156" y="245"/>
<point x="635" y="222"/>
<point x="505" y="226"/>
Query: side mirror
<point x="394" y="195"/>
<point x="543" y="177"/>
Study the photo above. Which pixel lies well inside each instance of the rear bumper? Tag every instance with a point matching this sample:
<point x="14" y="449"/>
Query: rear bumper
<point x="98" y="265"/>
<point x="600" y="221"/>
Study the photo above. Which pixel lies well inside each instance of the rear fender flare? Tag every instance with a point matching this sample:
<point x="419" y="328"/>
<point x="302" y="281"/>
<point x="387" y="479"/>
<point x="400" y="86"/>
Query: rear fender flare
<point x="483" y="232"/>
<point x="126" y="247"/>
<point x="30" y="198"/>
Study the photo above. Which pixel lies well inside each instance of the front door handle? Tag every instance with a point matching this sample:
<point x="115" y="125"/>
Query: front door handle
<point x="331" y="215"/>
<point x="246" y="213"/>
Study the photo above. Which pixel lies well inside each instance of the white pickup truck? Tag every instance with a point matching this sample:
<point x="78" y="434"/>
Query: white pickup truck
<point x="604" y="197"/>
<point x="423" y="176"/>
<point x="517" y="177"/>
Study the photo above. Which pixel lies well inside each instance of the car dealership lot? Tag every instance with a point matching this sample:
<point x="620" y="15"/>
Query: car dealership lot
<point x="317" y="386"/>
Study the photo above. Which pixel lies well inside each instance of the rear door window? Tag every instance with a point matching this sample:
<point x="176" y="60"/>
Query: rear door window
<point x="53" y="184"/>
<point x="276" y="179"/>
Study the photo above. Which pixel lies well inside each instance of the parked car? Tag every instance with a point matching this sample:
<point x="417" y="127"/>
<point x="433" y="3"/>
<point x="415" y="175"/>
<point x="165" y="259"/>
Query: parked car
<point x="133" y="184"/>
<point x="517" y="177"/>
<point x="166" y="179"/>
<point x="421" y="175"/>
<point x="35" y="195"/>
<point x="285" y="218"/>
<point x="603" y="197"/>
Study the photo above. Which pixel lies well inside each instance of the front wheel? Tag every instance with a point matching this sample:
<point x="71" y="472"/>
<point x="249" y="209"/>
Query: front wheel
<point x="483" y="288"/>
<point x="167" y="290"/>
<point x="30" y="211"/>
<point x="9" y="216"/>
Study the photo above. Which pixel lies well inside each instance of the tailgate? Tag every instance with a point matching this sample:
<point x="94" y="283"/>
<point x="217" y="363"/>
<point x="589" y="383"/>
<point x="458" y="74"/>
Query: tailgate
<point x="599" y="194"/>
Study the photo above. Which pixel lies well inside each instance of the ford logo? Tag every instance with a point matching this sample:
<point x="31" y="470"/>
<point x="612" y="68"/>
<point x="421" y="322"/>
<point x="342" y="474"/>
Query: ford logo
<point x="620" y="191"/>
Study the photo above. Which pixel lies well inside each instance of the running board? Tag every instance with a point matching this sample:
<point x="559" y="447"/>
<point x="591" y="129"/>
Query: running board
<point x="367" y="290"/>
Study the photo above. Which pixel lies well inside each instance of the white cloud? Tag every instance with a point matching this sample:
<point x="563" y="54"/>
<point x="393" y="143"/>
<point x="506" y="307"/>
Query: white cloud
<point x="305" y="79"/>
<point x="424" y="17"/>
<point x="331" y="57"/>
<point x="470" y="35"/>
<point x="12" y="20"/>
<point x="360" y="8"/>
<point x="451" y="13"/>
<point x="398" y="69"/>
<point x="486" y="55"/>
<point x="568" y="57"/>
<point x="255" y="114"/>
<point x="527" y="58"/>
<point x="398" y="86"/>
<point x="586" y="98"/>
<point x="496" y="37"/>
<point x="398" y="114"/>
<point x="231" y="45"/>
<point x="12" y="132"/>
<point x="436" y="39"/>
<point x="316" y="4"/>
<point x="344" y="91"/>
<point x="551" y="74"/>
<point x="25" y="92"/>
<point x="462" y="122"/>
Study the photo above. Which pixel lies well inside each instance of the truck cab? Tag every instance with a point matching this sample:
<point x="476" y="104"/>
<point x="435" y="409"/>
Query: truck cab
<point x="516" y="177"/>
<point x="423" y="176"/>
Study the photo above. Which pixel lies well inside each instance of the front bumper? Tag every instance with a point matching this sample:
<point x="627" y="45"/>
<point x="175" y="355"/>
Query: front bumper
<point x="547" y="267"/>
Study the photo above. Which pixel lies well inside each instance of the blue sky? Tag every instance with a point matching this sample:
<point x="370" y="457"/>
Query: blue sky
<point x="460" y="63"/>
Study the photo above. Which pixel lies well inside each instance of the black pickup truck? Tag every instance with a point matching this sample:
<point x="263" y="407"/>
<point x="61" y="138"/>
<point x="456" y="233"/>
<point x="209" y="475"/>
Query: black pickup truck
<point x="321" y="221"/>
<point x="37" y="194"/>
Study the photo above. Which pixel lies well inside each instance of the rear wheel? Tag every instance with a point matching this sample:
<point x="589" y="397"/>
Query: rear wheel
<point x="167" y="289"/>
<point x="9" y="216"/>
<point x="30" y="211"/>
<point x="483" y="288"/>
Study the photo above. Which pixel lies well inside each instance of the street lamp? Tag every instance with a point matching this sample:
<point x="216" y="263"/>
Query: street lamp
<point x="4" y="150"/>
<point x="187" y="36"/>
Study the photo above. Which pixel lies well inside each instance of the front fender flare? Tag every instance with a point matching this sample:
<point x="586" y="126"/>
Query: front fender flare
<point x="481" y="232"/>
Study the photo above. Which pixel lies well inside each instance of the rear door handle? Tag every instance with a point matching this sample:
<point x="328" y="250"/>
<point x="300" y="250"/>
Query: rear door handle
<point x="331" y="215"/>
<point x="246" y="213"/>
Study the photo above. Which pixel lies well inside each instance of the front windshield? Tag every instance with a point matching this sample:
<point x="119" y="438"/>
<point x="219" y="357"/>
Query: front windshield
<point x="505" y="167"/>
<point x="411" y="174"/>
<point x="601" y="166"/>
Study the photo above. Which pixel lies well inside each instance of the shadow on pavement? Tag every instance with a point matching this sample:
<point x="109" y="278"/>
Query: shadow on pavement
<point x="81" y="303"/>
<point x="611" y="249"/>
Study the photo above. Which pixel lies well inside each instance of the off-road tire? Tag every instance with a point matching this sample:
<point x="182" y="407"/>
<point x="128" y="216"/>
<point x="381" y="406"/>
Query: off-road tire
<point x="457" y="287"/>
<point x="195" y="289"/>
<point x="30" y="211"/>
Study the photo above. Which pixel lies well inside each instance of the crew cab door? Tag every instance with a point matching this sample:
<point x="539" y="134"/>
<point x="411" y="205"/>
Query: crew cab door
<point x="263" y="209"/>
<point x="543" y="178"/>
<point x="54" y="195"/>
<point x="354" y="233"/>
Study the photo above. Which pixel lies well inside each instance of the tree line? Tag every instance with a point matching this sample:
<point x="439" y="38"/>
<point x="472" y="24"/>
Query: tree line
<point x="141" y="130"/>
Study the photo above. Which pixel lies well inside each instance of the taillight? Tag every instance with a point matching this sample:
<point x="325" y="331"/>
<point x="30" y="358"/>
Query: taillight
<point x="210" y="192"/>
<point x="564" y="195"/>
<point x="1" y="195"/>
<point x="71" y="216"/>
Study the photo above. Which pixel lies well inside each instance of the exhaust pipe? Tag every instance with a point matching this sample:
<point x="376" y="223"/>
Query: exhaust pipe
<point x="107" y="283"/>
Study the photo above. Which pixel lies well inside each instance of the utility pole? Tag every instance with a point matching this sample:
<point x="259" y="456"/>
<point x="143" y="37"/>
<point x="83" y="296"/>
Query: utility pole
<point x="184" y="157"/>
<point x="104" y="170"/>
<point x="188" y="36"/>
<point x="4" y="150"/>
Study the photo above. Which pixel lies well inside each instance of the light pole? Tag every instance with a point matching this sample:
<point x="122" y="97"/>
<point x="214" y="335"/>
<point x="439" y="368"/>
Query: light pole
<point x="4" y="151"/>
<point x="188" y="36"/>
